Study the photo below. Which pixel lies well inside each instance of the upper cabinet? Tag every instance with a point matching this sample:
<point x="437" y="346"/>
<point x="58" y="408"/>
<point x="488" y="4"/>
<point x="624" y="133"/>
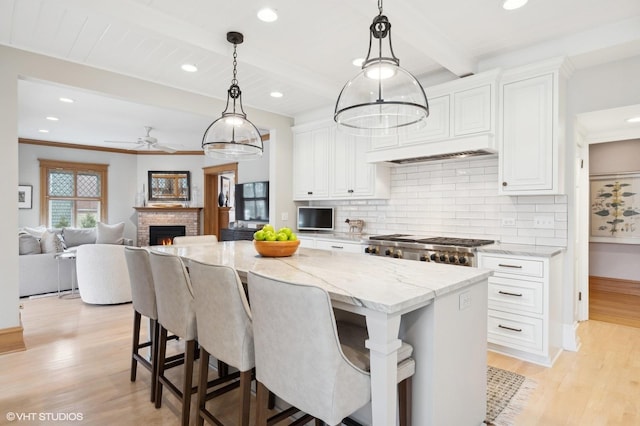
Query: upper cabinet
<point x="311" y="162"/>
<point x="329" y="164"/>
<point x="532" y="126"/>
<point x="352" y="176"/>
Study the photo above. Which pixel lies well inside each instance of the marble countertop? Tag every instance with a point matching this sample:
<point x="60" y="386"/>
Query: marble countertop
<point x="342" y="236"/>
<point x="521" y="250"/>
<point x="379" y="283"/>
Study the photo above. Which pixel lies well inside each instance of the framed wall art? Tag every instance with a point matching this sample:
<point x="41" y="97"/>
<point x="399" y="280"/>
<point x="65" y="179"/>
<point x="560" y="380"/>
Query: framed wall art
<point x="25" y="196"/>
<point x="615" y="208"/>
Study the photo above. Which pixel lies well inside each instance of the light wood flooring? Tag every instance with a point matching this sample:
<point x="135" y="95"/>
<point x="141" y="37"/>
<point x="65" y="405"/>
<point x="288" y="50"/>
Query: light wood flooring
<point x="78" y="362"/>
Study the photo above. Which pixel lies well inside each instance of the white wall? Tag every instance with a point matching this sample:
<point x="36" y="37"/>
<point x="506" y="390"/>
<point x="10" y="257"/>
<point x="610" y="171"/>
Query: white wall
<point x="20" y="64"/>
<point x="456" y="198"/>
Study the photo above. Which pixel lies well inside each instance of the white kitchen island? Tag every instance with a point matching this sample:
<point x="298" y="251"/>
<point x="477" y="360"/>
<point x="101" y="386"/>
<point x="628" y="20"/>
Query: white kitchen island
<point x="440" y="309"/>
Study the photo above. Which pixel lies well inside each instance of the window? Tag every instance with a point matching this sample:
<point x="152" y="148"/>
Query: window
<point x="72" y="194"/>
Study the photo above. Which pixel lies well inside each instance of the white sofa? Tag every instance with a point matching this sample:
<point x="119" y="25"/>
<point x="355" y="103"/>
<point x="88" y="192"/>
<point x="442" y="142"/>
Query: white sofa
<point x="38" y="271"/>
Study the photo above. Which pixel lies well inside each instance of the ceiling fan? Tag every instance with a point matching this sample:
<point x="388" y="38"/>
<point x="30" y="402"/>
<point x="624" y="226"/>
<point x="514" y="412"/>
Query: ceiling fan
<point x="149" y="141"/>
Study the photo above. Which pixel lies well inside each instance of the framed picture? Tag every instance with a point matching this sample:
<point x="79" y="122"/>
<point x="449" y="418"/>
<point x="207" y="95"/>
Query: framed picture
<point x="224" y="198"/>
<point x="169" y="185"/>
<point x="615" y="208"/>
<point x="25" y="196"/>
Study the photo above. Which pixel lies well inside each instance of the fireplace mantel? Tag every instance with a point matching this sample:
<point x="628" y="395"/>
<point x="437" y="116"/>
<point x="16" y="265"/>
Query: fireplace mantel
<point x="165" y="209"/>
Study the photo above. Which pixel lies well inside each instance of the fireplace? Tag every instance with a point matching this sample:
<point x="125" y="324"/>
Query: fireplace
<point x="162" y="235"/>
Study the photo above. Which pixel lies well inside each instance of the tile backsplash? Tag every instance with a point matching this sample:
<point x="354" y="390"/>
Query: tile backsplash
<point x="457" y="199"/>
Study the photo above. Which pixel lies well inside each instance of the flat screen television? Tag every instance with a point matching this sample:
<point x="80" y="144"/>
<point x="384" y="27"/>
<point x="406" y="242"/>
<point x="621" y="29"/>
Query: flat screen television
<point x="315" y="218"/>
<point x="252" y="201"/>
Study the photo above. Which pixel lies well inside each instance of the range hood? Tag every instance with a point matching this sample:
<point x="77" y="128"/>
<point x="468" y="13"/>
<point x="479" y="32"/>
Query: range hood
<point x="449" y="149"/>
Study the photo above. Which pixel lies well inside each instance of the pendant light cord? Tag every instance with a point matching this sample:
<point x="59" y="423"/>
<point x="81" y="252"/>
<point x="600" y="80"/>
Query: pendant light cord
<point x="380" y="7"/>
<point x="234" y="81"/>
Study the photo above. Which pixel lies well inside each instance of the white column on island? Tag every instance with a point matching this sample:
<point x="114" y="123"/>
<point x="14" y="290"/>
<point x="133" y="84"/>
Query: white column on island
<point x="383" y="345"/>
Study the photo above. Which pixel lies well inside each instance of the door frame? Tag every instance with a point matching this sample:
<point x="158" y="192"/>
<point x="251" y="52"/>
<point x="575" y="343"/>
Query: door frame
<point x="211" y="190"/>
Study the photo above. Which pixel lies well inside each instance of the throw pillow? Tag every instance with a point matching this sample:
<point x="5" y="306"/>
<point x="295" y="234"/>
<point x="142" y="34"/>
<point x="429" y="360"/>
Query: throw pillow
<point x="28" y="244"/>
<point x="36" y="232"/>
<point x="78" y="236"/>
<point x="110" y="234"/>
<point x="50" y="243"/>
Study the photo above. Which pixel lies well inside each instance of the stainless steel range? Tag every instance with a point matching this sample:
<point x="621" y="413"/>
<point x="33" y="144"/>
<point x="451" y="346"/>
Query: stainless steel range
<point x="454" y="251"/>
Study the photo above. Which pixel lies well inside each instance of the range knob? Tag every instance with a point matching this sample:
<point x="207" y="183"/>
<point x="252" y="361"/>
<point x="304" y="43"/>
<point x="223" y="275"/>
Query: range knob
<point x="433" y="257"/>
<point x="453" y="258"/>
<point x="371" y="250"/>
<point x="424" y="258"/>
<point x="443" y="257"/>
<point x="462" y="260"/>
<point x="387" y="252"/>
<point x="398" y="254"/>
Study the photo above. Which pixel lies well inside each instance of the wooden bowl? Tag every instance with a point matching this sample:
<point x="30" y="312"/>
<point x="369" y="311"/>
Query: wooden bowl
<point x="276" y="248"/>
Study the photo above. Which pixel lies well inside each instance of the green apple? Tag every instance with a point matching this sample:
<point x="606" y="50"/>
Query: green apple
<point x="270" y="236"/>
<point x="259" y="235"/>
<point x="281" y="236"/>
<point x="293" y="237"/>
<point x="286" y="231"/>
<point x="268" y="228"/>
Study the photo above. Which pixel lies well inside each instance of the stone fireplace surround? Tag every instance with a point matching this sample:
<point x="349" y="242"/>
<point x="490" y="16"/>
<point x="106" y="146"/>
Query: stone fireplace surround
<point x="189" y="217"/>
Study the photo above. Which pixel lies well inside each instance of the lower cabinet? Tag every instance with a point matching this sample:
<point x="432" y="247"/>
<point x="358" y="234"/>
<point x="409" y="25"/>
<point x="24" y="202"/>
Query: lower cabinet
<point x="525" y="311"/>
<point x="338" y="245"/>
<point x="227" y="234"/>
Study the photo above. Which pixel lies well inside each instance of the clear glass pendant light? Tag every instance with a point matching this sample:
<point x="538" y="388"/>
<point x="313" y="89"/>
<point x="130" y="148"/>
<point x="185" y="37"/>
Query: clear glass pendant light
<point x="232" y="136"/>
<point x="383" y="98"/>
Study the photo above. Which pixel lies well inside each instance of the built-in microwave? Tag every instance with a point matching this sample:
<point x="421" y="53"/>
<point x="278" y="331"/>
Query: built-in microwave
<point x="315" y="218"/>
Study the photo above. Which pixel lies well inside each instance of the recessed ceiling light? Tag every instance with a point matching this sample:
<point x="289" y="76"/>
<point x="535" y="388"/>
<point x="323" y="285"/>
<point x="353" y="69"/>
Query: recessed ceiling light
<point x="67" y="100"/>
<point x="513" y="4"/>
<point x="267" y="15"/>
<point x="276" y="94"/>
<point x="52" y="118"/>
<point x="189" y="68"/>
<point x="633" y="120"/>
<point x="43" y="131"/>
<point x="358" y="62"/>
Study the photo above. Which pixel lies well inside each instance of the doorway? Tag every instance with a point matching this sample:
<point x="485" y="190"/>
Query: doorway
<point x="212" y="224"/>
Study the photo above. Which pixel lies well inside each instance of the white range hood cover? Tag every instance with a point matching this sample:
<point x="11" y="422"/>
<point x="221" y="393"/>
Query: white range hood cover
<point x="440" y="150"/>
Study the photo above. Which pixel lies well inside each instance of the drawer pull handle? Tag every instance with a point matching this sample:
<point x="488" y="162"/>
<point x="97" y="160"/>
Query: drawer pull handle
<point x="337" y="247"/>
<point x="510" y="294"/>
<point x="502" y="265"/>
<point x="519" y="330"/>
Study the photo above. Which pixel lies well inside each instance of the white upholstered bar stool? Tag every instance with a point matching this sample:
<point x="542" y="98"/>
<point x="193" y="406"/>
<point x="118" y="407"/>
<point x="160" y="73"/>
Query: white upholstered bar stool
<point x="299" y="356"/>
<point x="144" y="304"/>
<point x="176" y="313"/>
<point x="224" y="332"/>
<point x="194" y="239"/>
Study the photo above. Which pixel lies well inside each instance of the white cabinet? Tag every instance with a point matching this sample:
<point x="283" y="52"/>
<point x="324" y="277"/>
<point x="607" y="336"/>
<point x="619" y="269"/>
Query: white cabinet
<point x="340" y="245"/>
<point x="437" y="125"/>
<point x="524" y="317"/>
<point x="532" y="127"/>
<point x="351" y="175"/>
<point x="311" y="163"/>
<point x="307" y="242"/>
<point x="473" y="110"/>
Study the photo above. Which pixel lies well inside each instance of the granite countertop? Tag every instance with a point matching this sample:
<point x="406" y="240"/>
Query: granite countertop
<point x="381" y="283"/>
<point x="521" y="250"/>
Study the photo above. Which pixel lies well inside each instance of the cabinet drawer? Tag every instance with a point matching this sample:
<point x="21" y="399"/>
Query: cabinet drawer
<point x="307" y="242"/>
<point x="514" y="331"/>
<point x="339" y="246"/>
<point x="512" y="265"/>
<point x="515" y="295"/>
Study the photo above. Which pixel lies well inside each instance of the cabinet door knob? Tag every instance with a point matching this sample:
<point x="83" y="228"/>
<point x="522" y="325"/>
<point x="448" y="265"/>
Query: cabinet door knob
<point x="350" y="191"/>
<point x="309" y="192"/>
<point x="504" y="183"/>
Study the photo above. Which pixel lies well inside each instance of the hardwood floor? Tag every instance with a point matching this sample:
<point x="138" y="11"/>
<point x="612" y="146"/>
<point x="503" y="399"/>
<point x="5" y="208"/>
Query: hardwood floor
<point x="77" y="361"/>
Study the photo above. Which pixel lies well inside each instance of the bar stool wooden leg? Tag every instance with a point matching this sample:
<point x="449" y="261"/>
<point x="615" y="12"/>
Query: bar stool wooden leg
<point x="136" y="342"/>
<point x="188" y="379"/>
<point x="202" y="385"/>
<point x="245" y="397"/>
<point x="162" y="353"/>
<point x="404" y="401"/>
<point x="262" y="399"/>
<point x="155" y="333"/>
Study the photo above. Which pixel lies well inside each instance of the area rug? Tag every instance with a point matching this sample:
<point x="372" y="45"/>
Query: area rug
<point x="507" y="393"/>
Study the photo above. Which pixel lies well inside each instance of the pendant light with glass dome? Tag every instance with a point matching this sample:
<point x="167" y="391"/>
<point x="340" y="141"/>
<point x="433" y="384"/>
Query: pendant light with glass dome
<point x="384" y="97"/>
<point x="233" y="136"/>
